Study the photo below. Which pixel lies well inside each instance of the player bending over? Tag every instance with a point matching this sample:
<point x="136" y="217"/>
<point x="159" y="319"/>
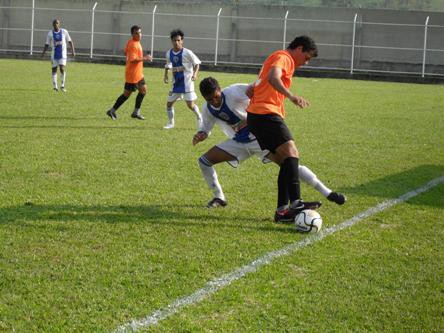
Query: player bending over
<point x="227" y="108"/>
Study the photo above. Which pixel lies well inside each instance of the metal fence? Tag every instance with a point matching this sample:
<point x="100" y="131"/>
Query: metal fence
<point x="344" y="45"/>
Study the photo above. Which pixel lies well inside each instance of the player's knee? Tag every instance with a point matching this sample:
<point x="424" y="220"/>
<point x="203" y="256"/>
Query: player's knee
<point x="204" y="162"/>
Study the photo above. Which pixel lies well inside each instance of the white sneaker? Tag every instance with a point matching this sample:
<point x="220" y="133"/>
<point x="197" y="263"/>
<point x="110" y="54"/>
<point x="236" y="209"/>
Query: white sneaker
<point x="169" y="126"/>
<point x="63" y="89"/>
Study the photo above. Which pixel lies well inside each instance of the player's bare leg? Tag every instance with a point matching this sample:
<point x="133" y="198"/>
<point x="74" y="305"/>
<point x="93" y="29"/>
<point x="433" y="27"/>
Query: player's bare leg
<point x="195" y="109"/>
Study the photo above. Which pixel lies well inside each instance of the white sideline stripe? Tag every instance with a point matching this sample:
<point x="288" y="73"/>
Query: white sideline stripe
<point x="214" y="285"/>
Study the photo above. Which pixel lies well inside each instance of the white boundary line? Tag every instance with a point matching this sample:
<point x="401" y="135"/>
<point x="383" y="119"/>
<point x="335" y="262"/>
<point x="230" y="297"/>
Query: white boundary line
<point x="218" y="283"/>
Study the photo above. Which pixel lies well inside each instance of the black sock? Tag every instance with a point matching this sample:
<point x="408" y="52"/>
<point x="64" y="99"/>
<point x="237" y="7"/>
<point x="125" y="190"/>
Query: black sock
<point x="282" y="188"/>
<point x="119" y="101"/>
<point x="139" y="100"/>
<point x="291" y="165"/>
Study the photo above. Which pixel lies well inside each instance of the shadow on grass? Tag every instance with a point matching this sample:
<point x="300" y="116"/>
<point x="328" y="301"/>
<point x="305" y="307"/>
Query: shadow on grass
<point x="394" y="185"/>
<point x="161" y="215"/>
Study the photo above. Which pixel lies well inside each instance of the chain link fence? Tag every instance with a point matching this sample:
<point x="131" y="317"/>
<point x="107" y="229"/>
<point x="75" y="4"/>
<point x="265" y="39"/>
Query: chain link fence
<point x="237" y="36"/>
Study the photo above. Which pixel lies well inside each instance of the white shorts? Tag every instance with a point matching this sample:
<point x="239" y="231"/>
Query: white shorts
<point x="242" y="151"/>
<point x="190" y="96"/>
<point x="58" y="62"/>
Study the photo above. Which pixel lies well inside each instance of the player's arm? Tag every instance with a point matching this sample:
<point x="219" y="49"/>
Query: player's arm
<point x="165" y="75"/>
<point x="71" y="44"/>
<point x="195" y="72"/>
<point x="204" y="131"/>
<point x="45" y="48"/>
<point x="133" y="57"/>
<point x="274" y="78"/>
<point x="168" y="65"/>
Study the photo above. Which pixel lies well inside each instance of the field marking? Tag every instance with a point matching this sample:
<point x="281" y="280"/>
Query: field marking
<point x="215" y="285"/>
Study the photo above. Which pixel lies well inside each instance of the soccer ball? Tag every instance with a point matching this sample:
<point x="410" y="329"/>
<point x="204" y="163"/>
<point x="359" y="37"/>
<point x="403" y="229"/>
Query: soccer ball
<point x="308" y="221"/>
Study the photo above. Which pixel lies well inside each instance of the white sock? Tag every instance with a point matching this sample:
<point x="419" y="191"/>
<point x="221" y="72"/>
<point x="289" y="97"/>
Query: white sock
<point x="54" y="80"/>
<point x="308" y="176"/>
<point x="63" y="78"/>
<point x="196" y="112"/>
<point x="170" y="113"/>
<point x="210" y="176"/>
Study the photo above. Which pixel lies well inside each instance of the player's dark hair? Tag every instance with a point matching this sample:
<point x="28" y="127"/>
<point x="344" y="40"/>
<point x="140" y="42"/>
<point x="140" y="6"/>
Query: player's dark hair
<point x="208" y="86"/>
<point x="134" y="28"/>
<point x="175" y="33"/>
<point x="308" y="45"/>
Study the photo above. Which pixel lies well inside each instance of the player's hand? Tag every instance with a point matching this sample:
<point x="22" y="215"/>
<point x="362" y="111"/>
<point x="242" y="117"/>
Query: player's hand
<point x="148" y="57"/>
<point x="198" y="137"/>
<point x="299" y="101"/>
<point x="194" y="77"/>
<point x="250" y="91"/>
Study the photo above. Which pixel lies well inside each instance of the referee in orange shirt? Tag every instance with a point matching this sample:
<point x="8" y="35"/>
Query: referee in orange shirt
<point x="134" y="79"/>
<point x="266" y="121"/>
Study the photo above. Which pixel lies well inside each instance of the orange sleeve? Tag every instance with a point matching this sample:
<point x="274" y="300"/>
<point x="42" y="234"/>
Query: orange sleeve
<point x="131" y="52"/>
<point x="282" y="62"/>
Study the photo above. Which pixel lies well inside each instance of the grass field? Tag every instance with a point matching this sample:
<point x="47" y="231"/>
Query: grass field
<point x="103" y="222"/>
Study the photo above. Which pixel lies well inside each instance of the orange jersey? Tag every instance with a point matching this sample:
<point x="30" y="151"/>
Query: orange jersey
<point x="133" y="72"/>
<point x="266" y="99"/>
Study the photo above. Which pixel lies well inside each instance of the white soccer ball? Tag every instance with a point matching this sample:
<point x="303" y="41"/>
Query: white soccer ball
<point x="308" y="221"/>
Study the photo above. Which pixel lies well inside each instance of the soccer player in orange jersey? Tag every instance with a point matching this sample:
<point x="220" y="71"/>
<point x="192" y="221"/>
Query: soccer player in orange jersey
<point x="134" y="79"/>
<point x="265" y="120"/>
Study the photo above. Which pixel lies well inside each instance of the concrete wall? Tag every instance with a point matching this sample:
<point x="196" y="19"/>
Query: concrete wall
<point x="264" y="35"/>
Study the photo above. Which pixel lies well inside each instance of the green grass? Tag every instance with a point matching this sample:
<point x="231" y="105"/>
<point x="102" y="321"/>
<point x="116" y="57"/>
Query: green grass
<point x="102" y="222"/>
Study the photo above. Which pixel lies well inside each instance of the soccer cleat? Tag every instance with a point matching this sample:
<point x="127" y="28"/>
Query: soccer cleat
<point x="137" y="116"/>
<point x="112" y="114"/>
<point x="284" y="216"/>
<point x="337" y="197"/>
<point x="169" y="125"/>
<point x="55" y="89"/>
<point x="216" y="202"/>
<point x="288" y="215"/>
<point x="63" y="89"/>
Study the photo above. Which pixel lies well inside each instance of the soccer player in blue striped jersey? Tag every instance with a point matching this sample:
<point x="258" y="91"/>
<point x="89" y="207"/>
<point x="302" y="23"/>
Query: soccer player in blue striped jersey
<point x="227" y="108"/>
<point x="58" y="39"/>
<point x="184" y="65"/>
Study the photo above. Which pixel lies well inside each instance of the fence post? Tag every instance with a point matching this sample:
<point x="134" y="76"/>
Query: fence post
<point x="32" y="27"/>
<point x="284" y="39"/>
<point x="152" y="31"/>
<point x="217" y="37"/>
<point x="425" y="45"/>
<point x="353" y="44"/>
<point x="92" y="30"/>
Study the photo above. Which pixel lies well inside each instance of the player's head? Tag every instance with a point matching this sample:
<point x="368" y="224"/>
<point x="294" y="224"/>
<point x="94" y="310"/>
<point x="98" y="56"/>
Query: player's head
<point x="136" y="32"/>
<point x="177" y="39"/>
<point x="303" y="48"/>
<point x="56" y="24"/>
<point x="211" y="92"/>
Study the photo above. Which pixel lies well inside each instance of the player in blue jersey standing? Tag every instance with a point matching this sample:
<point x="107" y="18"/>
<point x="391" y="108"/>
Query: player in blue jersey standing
<point x="227" y="108"/>
<point x="58" y="38"/>
<point x="185" y="67"/>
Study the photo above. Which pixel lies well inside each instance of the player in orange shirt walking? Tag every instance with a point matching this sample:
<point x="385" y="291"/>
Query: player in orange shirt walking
<point x="266" y="121"/>
<point x="134" y="79"/>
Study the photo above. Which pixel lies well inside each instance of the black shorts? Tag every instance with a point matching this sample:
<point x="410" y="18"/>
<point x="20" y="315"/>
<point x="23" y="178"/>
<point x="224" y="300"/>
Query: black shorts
<point x="269" y="130"/>
<point x="134" y="86"/>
